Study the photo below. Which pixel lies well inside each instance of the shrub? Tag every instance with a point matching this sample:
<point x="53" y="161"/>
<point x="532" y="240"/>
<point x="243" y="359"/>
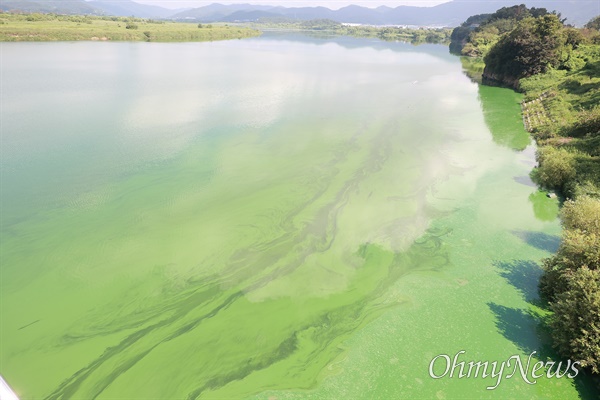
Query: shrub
<point x="557" y="167"/>
<point x="576" y="320"/>
<point x="582" y="214"/>
<point x="594" y="23"/>
<point x="553" y="281"/>
<point x="131" y="25"/>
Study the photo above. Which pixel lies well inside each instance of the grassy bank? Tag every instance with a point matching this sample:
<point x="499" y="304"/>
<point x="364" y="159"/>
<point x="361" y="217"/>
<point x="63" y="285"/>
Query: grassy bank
<point x="50" y="27"/>
<point x="388" y="33"/>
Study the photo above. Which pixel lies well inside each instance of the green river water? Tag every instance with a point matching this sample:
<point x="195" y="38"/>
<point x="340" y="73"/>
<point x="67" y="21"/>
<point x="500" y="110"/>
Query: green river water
<point x="275" y="218"/>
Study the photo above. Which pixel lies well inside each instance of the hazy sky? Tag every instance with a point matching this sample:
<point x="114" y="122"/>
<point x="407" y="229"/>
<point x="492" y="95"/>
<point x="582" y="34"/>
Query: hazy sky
<point x="333" y="4"/>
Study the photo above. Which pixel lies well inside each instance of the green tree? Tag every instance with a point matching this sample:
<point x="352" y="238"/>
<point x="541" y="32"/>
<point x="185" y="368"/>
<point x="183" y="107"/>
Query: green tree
<point x="582" y="214"/>
<point x="556" y="167"/>
<point x="580" y="246"/>
<point x="531" y="48"/>
<point x="576" y="320"/>
<point x="594" y="23"/>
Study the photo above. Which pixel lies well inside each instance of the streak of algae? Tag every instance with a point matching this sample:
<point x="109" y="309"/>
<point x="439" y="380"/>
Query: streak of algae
<point x="257" y="260"/>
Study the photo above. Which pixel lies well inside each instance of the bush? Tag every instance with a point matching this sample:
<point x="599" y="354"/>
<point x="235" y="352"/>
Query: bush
<point x="594" y="23"/>
<point x="556" y="167"/>
<point x="576" y="320"/>
<point x="580" y="246"/>
<point x="531" y="48"/>
<point x="553" y="281"/>
<point x="582" y="214"/>
<point x="131" y="25"/>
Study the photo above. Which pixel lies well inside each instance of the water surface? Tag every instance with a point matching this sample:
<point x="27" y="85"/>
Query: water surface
<point x="279" y="217"/>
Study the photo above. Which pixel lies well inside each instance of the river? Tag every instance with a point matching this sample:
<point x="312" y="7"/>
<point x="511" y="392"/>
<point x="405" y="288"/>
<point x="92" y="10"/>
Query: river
<point x="279" y="217"/>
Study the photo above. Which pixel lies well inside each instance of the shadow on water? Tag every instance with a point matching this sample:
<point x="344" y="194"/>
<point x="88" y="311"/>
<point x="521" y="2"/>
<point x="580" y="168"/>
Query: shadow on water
<point x="529" y="332"/>
<point x="525" y="180"/>
<point x="523" y="328"/>
<point x="539" y="240"/>
<point x="524" y="275"/>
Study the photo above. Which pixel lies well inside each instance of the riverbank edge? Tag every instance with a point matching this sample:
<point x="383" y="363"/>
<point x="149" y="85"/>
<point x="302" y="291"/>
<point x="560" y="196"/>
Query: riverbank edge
<point x="69" y="28"/>
<point x="531" y="118"/>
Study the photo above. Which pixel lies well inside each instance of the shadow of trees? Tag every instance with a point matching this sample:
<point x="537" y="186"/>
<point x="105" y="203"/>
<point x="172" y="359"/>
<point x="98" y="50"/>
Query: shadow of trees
<point x="528" y="329"/>
<point x="524" y="275"/>
<point x="539" y="240"/>
<point x="529" y="332"/>
<point x="523" y="328"/>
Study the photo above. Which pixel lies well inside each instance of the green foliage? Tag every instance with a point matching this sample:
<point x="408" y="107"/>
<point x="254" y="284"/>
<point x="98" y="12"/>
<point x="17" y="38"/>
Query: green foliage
<point x="553" y="281"/>
<point x="557" y="167"/>
<point x="476" y="19"/>
<point x="588" y="123"/>
<point x="582" y="214"/>
<point x="558" y="68"/>
<point x="571" y="282"/>
<point x="72" y="27"/>
<point x="576" y="320"/>
<point x="478" y="34"/>
<point x="517" y="13"/>
<point x="481" y="41"/>
<point x="533" y="47"/>
<point x="594" y="23"/>
<point x="320" y="24"/>
<point x="388" y="33"/>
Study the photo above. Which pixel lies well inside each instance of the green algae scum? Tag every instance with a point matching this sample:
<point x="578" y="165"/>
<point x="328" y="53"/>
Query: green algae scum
<point x="281" y="217"/>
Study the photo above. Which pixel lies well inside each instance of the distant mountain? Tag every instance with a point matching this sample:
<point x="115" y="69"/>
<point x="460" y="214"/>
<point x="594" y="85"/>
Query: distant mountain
<point x="218" y="12"/>
<point x="453" y="13"/>
<point x="127" y="8"/>
<point x="49" y="6"/>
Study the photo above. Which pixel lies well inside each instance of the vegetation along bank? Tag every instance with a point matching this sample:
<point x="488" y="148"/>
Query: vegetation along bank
<point x="557" y="67"/>
<point x="53" y="27"/>
<point x="407" y="34"/>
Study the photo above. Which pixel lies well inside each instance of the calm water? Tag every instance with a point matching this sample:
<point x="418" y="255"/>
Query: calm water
<point x="281" y="217"/>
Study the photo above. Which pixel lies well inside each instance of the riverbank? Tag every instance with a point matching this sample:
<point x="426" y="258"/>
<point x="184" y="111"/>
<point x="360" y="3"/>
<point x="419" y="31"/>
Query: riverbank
<point x="414" y="35"/>
<point x="51" y="27"/>
<point x="557" y="67"/>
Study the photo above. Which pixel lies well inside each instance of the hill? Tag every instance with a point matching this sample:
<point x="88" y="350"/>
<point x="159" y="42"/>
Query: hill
<point x="127" y="8"/>
<point x="447" y="14"/>
<point x="79" y="7"/>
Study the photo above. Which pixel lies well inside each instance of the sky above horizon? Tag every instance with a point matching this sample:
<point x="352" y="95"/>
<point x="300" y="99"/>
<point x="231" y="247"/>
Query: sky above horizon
<point x="332" y="4"/>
